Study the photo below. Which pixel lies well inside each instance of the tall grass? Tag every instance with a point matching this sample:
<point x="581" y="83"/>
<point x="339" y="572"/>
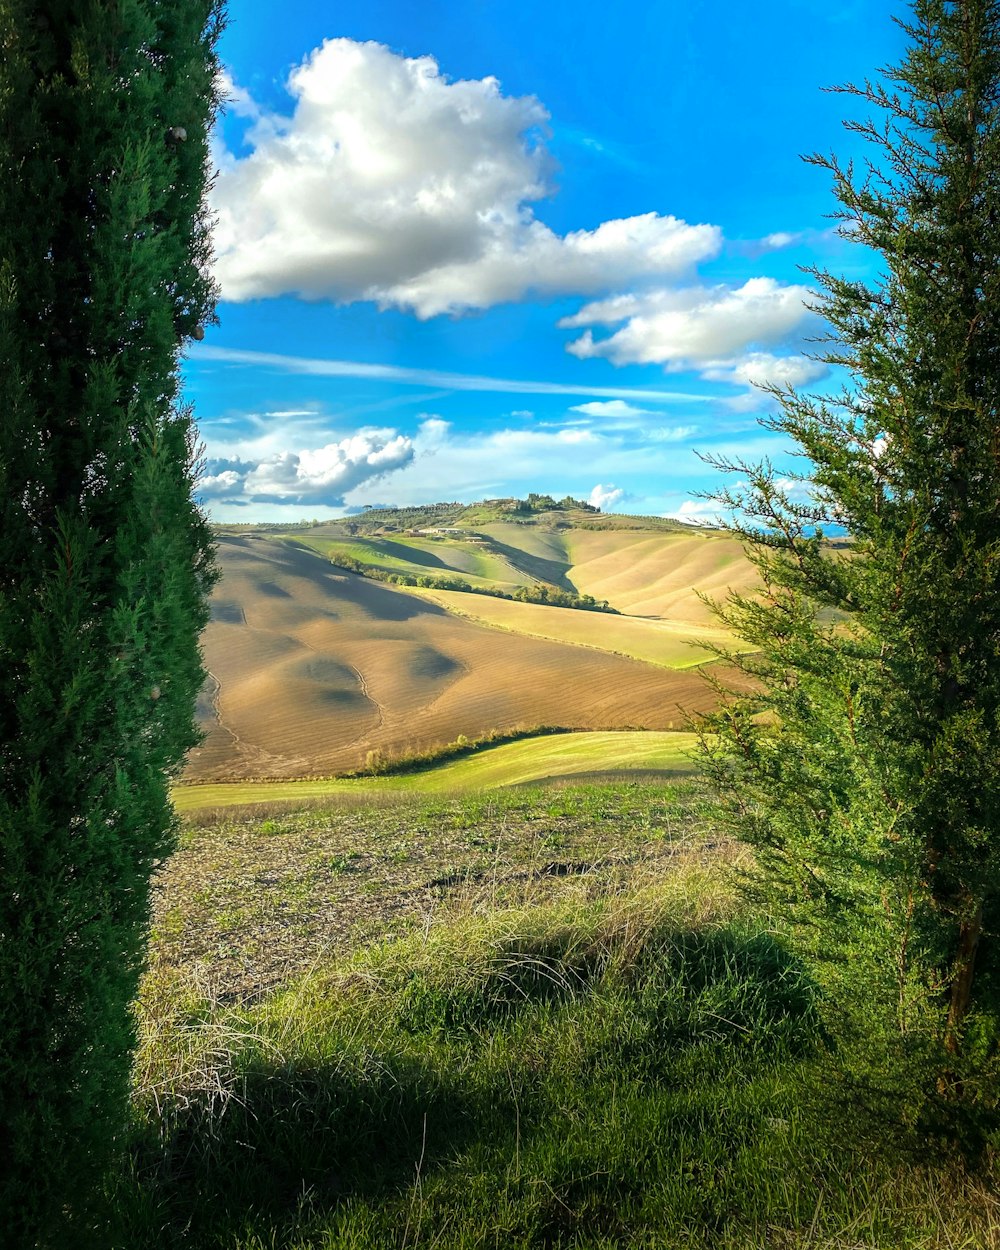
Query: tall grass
<point x="640" y="1069"/>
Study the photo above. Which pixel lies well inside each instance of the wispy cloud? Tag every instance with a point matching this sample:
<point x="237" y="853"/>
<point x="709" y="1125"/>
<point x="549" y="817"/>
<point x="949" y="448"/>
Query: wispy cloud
<point x="433" y="377"/>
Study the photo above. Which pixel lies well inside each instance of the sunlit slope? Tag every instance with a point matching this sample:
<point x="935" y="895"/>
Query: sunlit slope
<point x="641" y="572"/>
<point x="539" y="553"/>
<point x="311" y="669"/>
<point x="670" y="644"/>
<point x="478" y="564"/>
<point x="658" y="574"/>
<point x="539" y="759"/>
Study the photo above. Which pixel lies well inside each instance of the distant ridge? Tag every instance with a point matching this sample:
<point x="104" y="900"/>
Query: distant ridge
<point x="536" y="510"/>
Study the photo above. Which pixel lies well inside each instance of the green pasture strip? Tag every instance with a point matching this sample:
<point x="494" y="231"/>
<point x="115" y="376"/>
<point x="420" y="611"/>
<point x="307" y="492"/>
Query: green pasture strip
<point x="512" y="763"/>
<point x="459" y="555"/>
<point x="561" y="755"/>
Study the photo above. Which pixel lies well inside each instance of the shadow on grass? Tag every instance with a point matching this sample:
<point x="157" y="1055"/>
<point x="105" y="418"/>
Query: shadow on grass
<point x="292" y="1139"/>
<point x="540" y="568"/>
<point x="424" y="1094"/>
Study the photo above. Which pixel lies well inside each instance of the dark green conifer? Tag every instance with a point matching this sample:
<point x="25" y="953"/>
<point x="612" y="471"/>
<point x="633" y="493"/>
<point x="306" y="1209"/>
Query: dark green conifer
<point x="105" y="560"/>
<point x="866" y="772"/>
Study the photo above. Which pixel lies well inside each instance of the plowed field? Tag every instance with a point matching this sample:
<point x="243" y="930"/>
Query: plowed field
<point x="312" y="669"/>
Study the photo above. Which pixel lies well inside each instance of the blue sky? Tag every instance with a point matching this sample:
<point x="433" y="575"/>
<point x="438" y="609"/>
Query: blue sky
<point x="478" y="249"/>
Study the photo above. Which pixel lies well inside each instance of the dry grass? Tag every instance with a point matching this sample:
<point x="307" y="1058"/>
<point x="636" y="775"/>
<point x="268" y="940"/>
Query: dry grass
<point x="656" y="575"/>
<point x="668" y="644"/>
<point x="248" y="902"/>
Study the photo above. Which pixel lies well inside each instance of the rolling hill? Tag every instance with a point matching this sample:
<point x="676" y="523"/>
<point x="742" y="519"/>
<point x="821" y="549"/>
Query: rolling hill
<point x="553" y="757"/>
<point x="315" y="670"/>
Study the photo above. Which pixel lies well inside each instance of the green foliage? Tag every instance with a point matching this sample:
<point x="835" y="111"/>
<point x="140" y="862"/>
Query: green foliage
<point x="616" y="1055"/>
<point x="540" y="592"/>
<point x="104" y="245"/>
<point x="865" y="767"/>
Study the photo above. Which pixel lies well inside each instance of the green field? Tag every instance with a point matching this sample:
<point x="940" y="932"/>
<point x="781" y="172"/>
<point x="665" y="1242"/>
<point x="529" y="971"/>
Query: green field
<point x="521" y="1019"/>
<point x="543" y="758"/>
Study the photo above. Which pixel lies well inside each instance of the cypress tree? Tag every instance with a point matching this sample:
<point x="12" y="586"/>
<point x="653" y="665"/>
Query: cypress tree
<point x="105" y="561"/>
<point x="865" y="766"/>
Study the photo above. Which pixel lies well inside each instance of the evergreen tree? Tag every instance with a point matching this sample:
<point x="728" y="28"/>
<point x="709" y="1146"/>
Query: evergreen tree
<point x="105" y="563"/>
<point x="864" y="767"/>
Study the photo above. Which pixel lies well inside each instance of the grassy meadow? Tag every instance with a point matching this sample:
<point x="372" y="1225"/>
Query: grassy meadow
<point x="531" y="759"/>
<point x="670" y="644"/>
<point x="527" y="1017"/>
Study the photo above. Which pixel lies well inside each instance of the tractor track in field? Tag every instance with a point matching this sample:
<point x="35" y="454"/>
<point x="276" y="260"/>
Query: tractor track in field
<point x="215" y="701"/>
<point x="366" y="693"/>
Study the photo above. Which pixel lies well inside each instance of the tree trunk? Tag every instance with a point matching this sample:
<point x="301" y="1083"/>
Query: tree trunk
<point x="969" y="934"/>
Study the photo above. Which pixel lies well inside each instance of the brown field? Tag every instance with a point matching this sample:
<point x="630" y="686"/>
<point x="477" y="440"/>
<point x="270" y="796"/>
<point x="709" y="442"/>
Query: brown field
<point x="653" y="574"/>
<point x="312" y="669"/>
<point x="644" y="573"/>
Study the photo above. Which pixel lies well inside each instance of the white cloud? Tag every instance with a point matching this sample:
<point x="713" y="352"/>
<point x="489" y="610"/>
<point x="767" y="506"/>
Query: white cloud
<point x="227" y="482"/>
<point x="319" y="475"/>
<point x="694" y="326"/>
<point x="721" y="331"/>
<point x="625" y="416"/>
<point x="514" y="460"/>
<point x="605" y="497"/>
<point x="237" y="99"/>
<point x="433" y="432"/>
<point x="614" y="408"/>
<point x="763" y="368"/>
<point x="391" y="183"/>
<point x="291" y="412"/>
<point x="699" y="512"/>
<point x="782" y="239"/>
<point x="671" y="433"/>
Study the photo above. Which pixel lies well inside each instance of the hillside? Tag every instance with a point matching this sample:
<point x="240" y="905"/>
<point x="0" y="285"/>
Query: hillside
<point x="315" y="670"/>
<point x="546" y="758"/>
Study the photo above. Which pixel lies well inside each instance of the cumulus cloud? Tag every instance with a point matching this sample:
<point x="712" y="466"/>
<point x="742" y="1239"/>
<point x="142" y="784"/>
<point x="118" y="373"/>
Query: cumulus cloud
<point x="215" y="485"/>
<point x="321" y="475"/>
<point x="721" y="331"/>
<point x="391" y="183"/>
<point x="693" y="326"/>
<point x="699" y="512"/>
<point x="433" y="432"/>
<point x="765" y="369"/>
<point x="782" y="238"/>
<point x="605" y="497"/>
